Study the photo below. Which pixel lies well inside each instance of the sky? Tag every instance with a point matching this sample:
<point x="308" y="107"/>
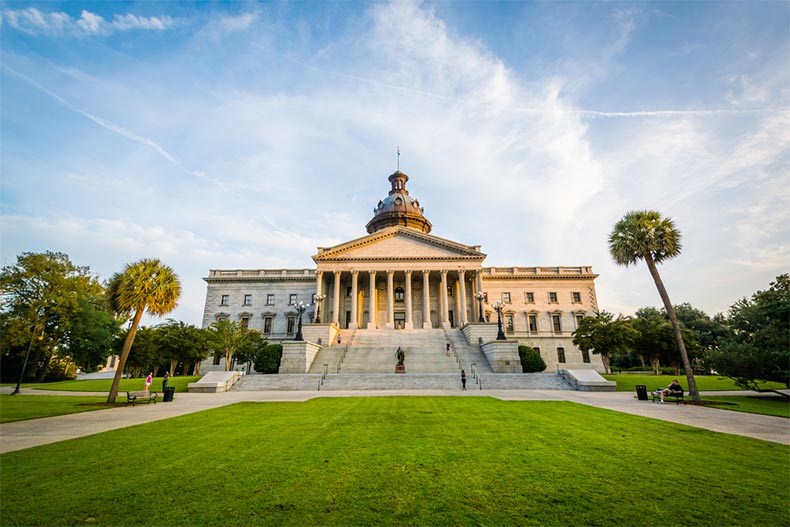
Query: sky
<point x="243" y="135"/>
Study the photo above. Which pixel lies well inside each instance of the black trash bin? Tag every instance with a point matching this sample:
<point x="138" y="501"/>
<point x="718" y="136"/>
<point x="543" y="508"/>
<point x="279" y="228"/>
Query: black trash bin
<point x="169" y="392"/>
<point x="641" y="392"/>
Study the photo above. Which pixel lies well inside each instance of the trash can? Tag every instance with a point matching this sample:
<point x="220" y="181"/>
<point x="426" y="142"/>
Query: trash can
<point x="169" y="392"/>
<point x="641" y="392"/>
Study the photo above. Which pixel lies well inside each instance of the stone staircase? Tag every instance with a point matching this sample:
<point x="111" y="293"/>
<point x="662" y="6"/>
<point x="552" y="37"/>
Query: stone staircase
<point x="467" y="353"/>
<point x="373" y="351"/>
<point x="406" y="381"/>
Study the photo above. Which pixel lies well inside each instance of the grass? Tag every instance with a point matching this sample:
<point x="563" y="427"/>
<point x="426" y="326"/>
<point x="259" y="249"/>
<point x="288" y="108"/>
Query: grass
<point x="755" y="404"/>
<point x="103" y="385"/>
<point x="22" y="407"/>
<point x="627" y="382"/>
<point x="400" y="461"/>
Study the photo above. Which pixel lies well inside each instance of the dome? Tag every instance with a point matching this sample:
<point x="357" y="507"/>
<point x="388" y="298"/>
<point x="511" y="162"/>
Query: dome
<point x="398" y="209"/>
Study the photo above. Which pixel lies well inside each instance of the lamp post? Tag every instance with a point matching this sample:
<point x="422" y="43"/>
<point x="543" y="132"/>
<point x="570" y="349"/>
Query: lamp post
<point x="27" y="356"/>
<point x="498" y="307"/>
<point x="301" y="307"/>
<point x="318" y="300"/>
<point x="480" y="296"/>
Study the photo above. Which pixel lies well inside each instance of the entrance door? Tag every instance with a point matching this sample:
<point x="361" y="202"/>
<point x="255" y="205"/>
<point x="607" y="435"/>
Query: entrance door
<point x="400" y="319"/>
<point x="452" y="322"/>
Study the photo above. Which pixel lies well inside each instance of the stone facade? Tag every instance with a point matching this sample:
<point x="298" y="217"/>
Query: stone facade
<point x="401" y="277"/>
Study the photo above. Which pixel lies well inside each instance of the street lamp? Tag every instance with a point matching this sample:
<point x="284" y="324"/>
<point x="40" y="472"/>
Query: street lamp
<point x="318" y="300"/>
<point x="301" y="307"/>
<point x="498" y="307"/>
<point x="27" y="355"/>
<point x="480" y="296"/>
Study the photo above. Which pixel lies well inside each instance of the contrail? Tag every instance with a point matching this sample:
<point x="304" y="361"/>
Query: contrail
<point x="112" y="127"/>
<point x="593" y="114"/>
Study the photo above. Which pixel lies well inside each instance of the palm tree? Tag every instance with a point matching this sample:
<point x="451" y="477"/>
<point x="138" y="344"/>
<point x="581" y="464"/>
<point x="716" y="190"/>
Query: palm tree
<point x="147" y="284"/>
<point x="645" y="235"/>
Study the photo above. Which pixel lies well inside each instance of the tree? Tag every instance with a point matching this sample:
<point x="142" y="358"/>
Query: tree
<point x="531" y="361"/>
<point x="145" y="285"/>
<point x="605" y="335"/>
<point x="226" y="338"/>
<point x="645" y="235"/>
<point x="40" y="297"/>
<point x="89" y="339"/>
<point x="758" y="347"/>
<point x="180" y="342"/>
<point x="267" y="357"/>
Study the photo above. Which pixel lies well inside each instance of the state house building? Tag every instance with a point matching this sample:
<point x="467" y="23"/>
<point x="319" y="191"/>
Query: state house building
<point x="401" y="278"/>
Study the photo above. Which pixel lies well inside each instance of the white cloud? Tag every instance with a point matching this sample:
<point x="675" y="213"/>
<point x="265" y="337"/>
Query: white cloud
<point x="59" y="24"/>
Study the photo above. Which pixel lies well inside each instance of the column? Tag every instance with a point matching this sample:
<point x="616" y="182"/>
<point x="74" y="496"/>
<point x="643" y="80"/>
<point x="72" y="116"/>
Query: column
<point x="407" y="296"/>
<point x="372" y="300"/>
<point x="319" y="286"/>
<point x="462" y="297"/>
<point x="354" y="324"/>
<point x="390" y="300"/>
<point x="336" y="301"/>
<point x="426" y="302"/>
<point x="443" y="296"/>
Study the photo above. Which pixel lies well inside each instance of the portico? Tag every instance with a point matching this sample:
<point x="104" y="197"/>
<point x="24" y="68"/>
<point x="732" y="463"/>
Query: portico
<point x="383" y="297"/>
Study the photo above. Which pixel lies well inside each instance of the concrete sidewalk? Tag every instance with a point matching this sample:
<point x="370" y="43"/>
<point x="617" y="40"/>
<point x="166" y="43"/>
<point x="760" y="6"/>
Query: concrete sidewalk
<point x="25" y="434"/>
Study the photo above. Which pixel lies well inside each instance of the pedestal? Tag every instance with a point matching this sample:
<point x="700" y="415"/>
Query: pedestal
<point x="400" y="368"/>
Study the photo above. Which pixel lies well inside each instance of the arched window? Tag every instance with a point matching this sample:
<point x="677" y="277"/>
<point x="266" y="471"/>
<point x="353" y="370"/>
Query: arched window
<point x="399" y="294"/>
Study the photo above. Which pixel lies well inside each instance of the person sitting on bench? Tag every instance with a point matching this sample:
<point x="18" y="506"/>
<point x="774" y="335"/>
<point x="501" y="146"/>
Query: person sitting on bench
<point x="674" y="389"/>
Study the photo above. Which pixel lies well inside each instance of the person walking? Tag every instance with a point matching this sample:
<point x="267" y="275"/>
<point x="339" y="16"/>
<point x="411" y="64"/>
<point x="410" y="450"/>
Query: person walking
<point x="149" y="380"/>
<point x="463" y="380"/>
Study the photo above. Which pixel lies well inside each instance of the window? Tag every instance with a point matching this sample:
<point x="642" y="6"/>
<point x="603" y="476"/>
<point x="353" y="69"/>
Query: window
<point x="555" y="322"/>
<point x="399" y="294"/>
<point x="267" y="325"/>
<point x="552" y="298"/>
<point x="576" y="297"/>
<point x="579" y="318"/>
<point x="509" y="323"/>
<point x="247" y="300"/>
<point x="290" y="325"/>
<point x="533" y="322"/>
<point x="217" y="357"/>
<point x="348" y="291"/>
<point x="245" y="322"/>
<point x="292" y="299"/>
<point x="529" y="297"/>
<point x="586" y="356"/>
<point x="561" y="355"/>
<point x="224" y="300"/>
<point x="270" y="299"/>
<point x="506" y="298"/>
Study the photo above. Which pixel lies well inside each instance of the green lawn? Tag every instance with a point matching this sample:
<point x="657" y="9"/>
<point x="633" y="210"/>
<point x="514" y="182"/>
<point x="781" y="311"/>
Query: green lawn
<point x="103" y="385"/>
<point x="400" y="461"/>
<point x="755" y="404"/>
<point x="626" y="382"/>
<point x="21" y="407"/>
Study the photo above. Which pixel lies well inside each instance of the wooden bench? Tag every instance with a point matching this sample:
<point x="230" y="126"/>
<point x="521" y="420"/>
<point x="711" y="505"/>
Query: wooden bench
<point x="139" y="397"/>
<point x="656" y="396"/>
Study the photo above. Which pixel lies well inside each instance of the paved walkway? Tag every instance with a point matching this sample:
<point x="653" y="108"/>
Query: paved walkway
<point x="25" y="434"/>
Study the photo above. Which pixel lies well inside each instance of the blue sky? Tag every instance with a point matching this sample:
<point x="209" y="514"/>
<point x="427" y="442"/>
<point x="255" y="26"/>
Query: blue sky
<point x="244" y="135"/>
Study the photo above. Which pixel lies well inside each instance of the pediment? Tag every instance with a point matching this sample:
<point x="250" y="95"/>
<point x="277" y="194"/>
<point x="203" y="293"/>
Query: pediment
<point x="399" y="243"/>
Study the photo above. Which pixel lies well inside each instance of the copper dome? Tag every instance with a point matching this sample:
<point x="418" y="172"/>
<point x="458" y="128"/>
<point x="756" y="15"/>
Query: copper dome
<point x="398" y="209"/>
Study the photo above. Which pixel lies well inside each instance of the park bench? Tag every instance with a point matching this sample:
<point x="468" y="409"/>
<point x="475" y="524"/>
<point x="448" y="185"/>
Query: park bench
<point x="678" y="396"/>
<point x="139" y="397"/>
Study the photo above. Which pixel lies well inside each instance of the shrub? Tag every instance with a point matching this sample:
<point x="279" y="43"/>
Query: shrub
<point x="531" y="361"/>
<point x="267" y="358"/>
